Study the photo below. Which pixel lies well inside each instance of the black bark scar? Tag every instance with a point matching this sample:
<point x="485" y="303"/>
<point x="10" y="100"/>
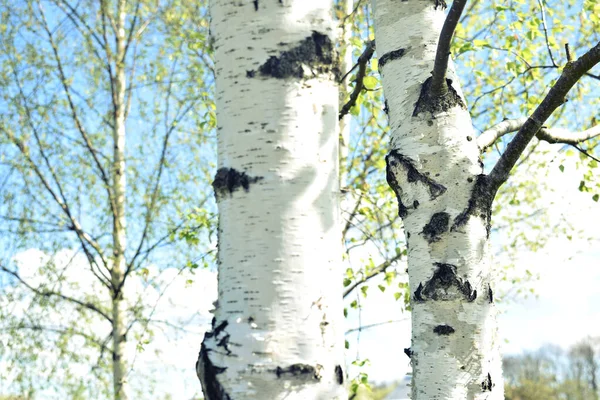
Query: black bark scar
<point x="390" y="56"/>
<point x="413" y="175"/>
<point x="440" y="4"/>
<point x="298" y="370"/>
<point x="207" y="373"/>
<point x="486" y="386"/>
<point x="339" y="374"/>
<point x="316" y="52"/>
<point x="255" y="5"/>
<point x="480" y="205"/>
<point x="443" y="330"/>
<point x="436" y="226"/>
<point x="437" y="104"/>
<point x="445" y="285"/>
<point x="228" y="180"/>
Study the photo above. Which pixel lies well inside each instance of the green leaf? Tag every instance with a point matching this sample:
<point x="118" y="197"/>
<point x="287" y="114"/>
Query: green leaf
<point x="370" y="82"/>
<point x="595" y="197"/>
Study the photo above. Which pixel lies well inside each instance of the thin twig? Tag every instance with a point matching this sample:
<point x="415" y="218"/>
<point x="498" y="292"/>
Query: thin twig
<point x="362" y="70"/>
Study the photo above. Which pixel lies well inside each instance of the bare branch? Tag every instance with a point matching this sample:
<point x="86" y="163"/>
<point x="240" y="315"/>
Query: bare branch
<point x="572" y="72"/>
<point x="48" y="293"/>
<point x="381" y="268"/>
<point x="550" y="135"/>
<point x="438" y="81"/>
<point x="375" y="325"/>
<point x="74" y="114"/>
<point x="362" y="70"/>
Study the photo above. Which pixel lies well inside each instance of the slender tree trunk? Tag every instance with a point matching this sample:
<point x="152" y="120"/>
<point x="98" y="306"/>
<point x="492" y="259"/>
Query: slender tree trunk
<point x="277" y="330"/>
<point x="119" y="225"/>
<point x="434" y="169"/>
<point x="344" y="9"/>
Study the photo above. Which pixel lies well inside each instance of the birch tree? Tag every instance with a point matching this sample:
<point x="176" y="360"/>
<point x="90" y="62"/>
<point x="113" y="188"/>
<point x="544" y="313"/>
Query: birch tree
<point x="444" y="198"/>
<point x="86" y="87"/>
<point x="276" y="332"/>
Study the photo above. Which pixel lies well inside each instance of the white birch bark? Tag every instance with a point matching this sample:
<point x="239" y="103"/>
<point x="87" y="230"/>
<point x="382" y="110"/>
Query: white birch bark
<point x="277" y="330"/>
<point x="119" y="225"/>
<point x="434" y="168"/>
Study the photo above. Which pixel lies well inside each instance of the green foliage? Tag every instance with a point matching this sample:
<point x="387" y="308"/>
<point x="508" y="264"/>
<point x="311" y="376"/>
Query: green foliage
<point x="57" y="84"/>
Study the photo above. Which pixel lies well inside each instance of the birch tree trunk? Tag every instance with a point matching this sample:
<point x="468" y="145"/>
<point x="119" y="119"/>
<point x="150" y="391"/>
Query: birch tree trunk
<point x="434" y="168"/>
<point x="277" y="330"/>
<point x="119" y="324"/>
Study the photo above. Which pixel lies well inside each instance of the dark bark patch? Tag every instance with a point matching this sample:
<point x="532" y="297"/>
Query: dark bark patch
<point x="436" y="226"/>
<point x="417" y="295"/>
<point x="386" y="108"/>
<point x="207" y="373"/>
<point x="339" y="374"/>
<point x="316" y="52"/>
<point x="228" y="180"/>
<point x="224" y="343"/>
<point x="408" y="352"/>
<point x="300" y="370"/>
<point x="443" y="330"/>
<point x="490" y="294"/>
<point x="390" y="56"/>
<point x="255" y="5"/>
<point x="486" y="385"/>
<point x="480" y="204"/>
<point x="437" y="104"/>
<point x="446" y="285"/>
<point x="440" y="4"/>
<point x="413" y="176"/>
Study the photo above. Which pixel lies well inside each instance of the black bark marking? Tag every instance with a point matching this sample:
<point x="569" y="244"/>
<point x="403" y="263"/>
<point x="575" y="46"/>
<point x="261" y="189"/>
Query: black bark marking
<point x="207" y="373"/>
<point x="228" y="180"/>
<point x="339" y="374"/>
<point x="446" y="285"/>
<point x="486" y="386"/>
<point x="480" y="204"/>
<point x="436" y="226"/>
<point x="490" y="294"/>
<point x="224" y="343"/>
<point x="437" y="104"/>
<point x="317" y="52"/>
<point x="386" y="108"/>
<point x="300" y="370"/>
<point x="390" y="56"/>
<point x="255" y="5"/>
<point x="408" y="352"/>
<point x="418" y="293"/>
<point x="413" y="175"/>
<point x="440" y="4"/>
<point x="443" y="330"/>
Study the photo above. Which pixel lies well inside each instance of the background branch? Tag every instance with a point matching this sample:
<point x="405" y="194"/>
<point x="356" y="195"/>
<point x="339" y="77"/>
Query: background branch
<point x="572" y="72"/>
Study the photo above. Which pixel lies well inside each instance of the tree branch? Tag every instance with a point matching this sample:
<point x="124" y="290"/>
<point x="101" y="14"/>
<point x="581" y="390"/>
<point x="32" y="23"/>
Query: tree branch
<point x="438" y="81"/>
<point x="49" y="293"/>
<point x="550" y="135"/>
<point x="572" y="72"/>
<point x="74" y="114"/>
<point x="362" y="70"/>
<point x="373" y="273"/>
